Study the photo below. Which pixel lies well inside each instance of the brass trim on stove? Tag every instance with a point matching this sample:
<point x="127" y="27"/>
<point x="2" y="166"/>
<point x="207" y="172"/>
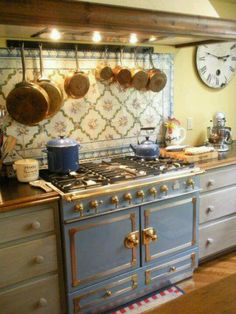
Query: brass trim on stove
<point x="107" y="288"/>
<point x="149" y="279"/>
<point x="123" y="186"/>
<point x="147" y="214"/>
<point x="74" y="273"/>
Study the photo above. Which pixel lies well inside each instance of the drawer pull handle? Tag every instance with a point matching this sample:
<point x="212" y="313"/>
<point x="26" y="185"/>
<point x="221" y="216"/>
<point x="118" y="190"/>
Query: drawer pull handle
<point x="211" y="182"/>
<point x="35" y="225"/>
<point x="149" y="235"/>
<point x="172" y="269"/>
<point x="210" y="209"/>
<point x="39" y="259"/>
<point x="42" y="302"/>
<point x="210" y="241"/>
<point x="108" y="293"/>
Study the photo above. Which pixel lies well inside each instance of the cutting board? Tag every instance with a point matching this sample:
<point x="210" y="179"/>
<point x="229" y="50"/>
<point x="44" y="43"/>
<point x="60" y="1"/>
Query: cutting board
<point x="189" y="158"/>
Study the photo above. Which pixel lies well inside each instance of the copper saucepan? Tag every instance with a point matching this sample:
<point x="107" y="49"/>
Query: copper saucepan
<point x="139" y="76"/>
<point x="53" y="91"/>
<point x="103" y="71"/>
<point x="157" y="78"/>
<point x="27" y="103"/>
<point x="77" y="85"/>
<point x="122" y="74"/>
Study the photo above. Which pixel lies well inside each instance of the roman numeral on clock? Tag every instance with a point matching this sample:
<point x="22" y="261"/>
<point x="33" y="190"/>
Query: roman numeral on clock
<point x="231" y="69"/>
<point x="202" y="58"/>
<point x="203" y="69"/>
<point x="209" y="78"/>
<point x="232" y="47"/>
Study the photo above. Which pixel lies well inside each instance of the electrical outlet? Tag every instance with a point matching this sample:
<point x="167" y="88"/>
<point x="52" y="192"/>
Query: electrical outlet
<point x="189" y="123"/>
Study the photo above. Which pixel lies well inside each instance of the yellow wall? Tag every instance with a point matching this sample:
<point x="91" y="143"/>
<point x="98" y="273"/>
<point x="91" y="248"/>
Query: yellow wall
<point x="194" y="99"/>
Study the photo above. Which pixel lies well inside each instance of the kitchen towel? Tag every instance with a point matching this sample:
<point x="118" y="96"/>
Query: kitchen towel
<point x="150" y="301"/>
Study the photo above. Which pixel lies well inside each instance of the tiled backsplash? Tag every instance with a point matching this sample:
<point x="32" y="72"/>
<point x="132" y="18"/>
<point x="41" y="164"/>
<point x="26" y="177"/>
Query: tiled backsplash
<point x="108" y="118"/>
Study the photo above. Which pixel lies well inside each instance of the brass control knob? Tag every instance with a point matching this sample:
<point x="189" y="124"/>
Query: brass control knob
<point x="153" y="191"/>
<point x="128" y="197"/>
<point x="108" y="293"/>
<point x="115" y="200"/>
<point x="140" y="194"/>
<point x="164" y="189"/>
<point x="79" y="208"/>
<point x="172" y="268"/>
<point x="190" y="183"/>
<point x="95" y="204"/>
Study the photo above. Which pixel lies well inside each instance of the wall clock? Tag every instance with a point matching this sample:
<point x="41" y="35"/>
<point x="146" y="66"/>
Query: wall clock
<point x="216" y="63"/>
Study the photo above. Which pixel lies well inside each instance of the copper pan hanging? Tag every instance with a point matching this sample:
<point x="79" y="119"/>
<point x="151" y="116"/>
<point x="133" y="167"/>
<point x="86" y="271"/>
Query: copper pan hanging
<point x="77" y="85"/>
<point x="103" y="71"/>
<point x="27" y="103"/>
<point x="157" y="78"/>
<point x="139" y="76"/>
<point x="54" y="93"/>
<point x="121" y="73"/>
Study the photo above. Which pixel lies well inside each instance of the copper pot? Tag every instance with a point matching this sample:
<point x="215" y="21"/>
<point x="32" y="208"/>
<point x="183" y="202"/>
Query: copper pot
<point x="103" y="71"/>
<point x="77" y="85"/>
<point x="156" y="78"/>
<point x="139" y="76"/>
<point x="122" y="74"/>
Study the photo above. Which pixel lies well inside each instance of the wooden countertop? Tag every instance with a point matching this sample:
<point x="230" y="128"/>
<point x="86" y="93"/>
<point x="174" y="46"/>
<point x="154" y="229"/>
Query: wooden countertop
<point x="224" y="159"/>
<point x="14" y="194"/>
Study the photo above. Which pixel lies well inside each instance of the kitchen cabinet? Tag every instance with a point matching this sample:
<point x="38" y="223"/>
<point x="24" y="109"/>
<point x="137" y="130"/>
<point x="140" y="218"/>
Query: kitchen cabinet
<point x="119" y="255"/>
<point x="29" y="260"/>
<point x="217" y="211"/>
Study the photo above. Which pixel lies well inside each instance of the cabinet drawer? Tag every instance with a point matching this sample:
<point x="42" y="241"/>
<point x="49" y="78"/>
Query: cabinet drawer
<point x="217" y="204"/>
<point x="218" y="178"/>
<point x="24" y="225"/>
<point x="91" y="298"/>
<point x="166" y="273"/>
<point x="27" y="260"/>
<point x="39" y="297"/>
<point x="217" y="236"/>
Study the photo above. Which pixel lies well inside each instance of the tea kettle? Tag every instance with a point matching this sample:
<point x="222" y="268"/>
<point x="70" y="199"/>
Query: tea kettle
<point x="147" y="149"/>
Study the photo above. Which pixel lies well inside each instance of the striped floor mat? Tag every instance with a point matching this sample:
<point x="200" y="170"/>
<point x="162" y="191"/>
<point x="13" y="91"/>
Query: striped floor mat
<point x="150" y="301"/>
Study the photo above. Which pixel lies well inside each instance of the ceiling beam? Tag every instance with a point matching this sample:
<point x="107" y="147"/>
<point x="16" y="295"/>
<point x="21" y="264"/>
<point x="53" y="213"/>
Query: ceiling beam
<point x="74" y="14"/>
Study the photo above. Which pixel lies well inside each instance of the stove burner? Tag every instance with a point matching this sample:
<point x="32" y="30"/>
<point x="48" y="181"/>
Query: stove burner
<point x="104" y="172"/>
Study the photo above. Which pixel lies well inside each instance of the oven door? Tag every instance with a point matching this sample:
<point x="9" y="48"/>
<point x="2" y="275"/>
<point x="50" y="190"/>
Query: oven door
<point x="101" y="247"/>
<point x="168" y="228"/>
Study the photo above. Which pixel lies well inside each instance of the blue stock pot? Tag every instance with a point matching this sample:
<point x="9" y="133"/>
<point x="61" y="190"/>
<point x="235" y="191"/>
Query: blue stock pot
<point x="63" y="155"/>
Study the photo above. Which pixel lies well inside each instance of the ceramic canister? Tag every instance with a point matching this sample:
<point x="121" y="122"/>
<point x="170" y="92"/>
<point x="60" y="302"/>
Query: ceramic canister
<point x="26" y="169"/>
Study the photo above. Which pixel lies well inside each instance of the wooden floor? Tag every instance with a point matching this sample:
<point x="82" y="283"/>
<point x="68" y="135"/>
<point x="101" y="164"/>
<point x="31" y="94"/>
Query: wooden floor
<point x="212" y="290"/>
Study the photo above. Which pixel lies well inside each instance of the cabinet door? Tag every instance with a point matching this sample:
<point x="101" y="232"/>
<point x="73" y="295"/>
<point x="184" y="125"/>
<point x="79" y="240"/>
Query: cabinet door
<point x="168" y="227"/>
<point x="101" y="247"/>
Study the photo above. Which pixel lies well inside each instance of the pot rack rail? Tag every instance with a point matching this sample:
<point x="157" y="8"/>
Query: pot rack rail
<point x="11" y="44"/>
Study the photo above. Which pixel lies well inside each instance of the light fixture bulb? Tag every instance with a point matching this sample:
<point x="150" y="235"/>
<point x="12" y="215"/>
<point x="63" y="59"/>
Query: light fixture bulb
<point x="97" y="36"/>
<point x="152" y="38"/>
<point x="133" y="39"/>
<point x="55" y="34"/>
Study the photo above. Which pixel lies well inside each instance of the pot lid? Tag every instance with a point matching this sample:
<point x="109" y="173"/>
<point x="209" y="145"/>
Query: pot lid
<point x="62" y="142"/>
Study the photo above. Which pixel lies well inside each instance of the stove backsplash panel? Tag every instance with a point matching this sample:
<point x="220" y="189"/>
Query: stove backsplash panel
<point x="105" y="121"/>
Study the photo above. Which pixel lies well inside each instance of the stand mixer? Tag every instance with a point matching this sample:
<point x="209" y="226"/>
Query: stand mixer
<point x="219" y="136"/>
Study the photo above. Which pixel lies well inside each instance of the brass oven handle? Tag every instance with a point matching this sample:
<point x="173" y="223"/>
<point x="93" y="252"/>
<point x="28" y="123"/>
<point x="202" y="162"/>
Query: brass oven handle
<point x="131" y="240"/>
<point x="190" y="182"/>
<point x="149" y="235"/>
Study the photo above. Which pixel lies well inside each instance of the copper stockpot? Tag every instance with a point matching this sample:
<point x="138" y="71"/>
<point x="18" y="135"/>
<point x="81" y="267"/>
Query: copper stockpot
<point x="103" y="71"/>
<point x="156" y="78"/>
<point x="122" y="74"/>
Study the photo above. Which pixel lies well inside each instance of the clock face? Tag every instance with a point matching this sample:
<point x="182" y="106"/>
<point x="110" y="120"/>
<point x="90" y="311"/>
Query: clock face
<point x="216" y="63"/>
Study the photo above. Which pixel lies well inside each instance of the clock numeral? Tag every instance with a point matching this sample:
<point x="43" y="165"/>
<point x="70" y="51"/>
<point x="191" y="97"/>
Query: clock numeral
<point x="217" y="81"/>
<point x="231" y="69"/>
<point x="232" y="47"/>
<point x="203" y="69"/>
<point x="233" y="59"/>
<point x="202" y="58"/>
<point x="209" y="78"/>
<point x="226" y="81"/>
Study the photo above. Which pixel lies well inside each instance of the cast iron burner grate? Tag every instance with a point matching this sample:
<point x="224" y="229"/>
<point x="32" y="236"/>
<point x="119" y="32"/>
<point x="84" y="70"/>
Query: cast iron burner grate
<point x="110" y="171"/>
